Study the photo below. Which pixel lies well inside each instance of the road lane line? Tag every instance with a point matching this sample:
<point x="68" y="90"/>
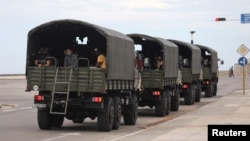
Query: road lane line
<point x="17" y="109"/>
<point x="62" y="136"/>
<point x="126" y="135"/>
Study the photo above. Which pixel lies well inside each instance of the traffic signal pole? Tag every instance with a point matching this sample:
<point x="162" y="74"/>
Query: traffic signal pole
<point x="244" y="18"/>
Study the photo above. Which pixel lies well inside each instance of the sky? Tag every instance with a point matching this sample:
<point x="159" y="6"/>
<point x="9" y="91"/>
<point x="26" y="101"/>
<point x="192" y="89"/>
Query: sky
<point x="169" y="19"/>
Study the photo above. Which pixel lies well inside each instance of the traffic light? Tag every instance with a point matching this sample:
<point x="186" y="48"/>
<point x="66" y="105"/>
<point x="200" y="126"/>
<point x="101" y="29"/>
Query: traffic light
<point x="220" y="19"/>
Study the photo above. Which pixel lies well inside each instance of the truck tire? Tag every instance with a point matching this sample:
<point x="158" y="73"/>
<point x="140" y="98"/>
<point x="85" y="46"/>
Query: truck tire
<point x="198" y="93"/>
<point x="189" y="96"/>
<point x="161" y="105"/>
<point x="44" y="119"/>
<point x="57" y="120"/>
<point x="168" y="96"/>
<point x="117" y="112"/>
<point x="106" y="116"/>
<point x="175" y="100"/>
<point x="131" y="113"/>
<point x="209" y="90"/>
<point x="215" y="89"/>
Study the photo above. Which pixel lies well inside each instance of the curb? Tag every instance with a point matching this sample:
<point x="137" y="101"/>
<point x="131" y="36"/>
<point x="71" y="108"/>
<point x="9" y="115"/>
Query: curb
<point x="7" y="105"/>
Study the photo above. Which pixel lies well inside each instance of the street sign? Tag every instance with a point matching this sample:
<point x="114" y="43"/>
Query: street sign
<point x="242" y="61"/>
<point x="243" y="50"/>
<point x="245" y="18"/>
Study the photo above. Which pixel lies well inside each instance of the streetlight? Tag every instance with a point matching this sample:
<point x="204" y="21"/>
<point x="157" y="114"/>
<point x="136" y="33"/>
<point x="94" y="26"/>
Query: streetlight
<point x="192" y="32"/>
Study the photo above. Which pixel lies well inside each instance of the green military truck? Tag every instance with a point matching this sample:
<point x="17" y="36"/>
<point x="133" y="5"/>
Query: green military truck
<point x="158" y="86"/>
<point x="190" y="68"/>
<point x="82" y="91"/>
<point x="209" y="65"/>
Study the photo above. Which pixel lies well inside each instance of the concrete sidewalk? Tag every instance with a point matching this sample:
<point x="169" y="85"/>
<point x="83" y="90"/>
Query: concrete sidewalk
<point x="230" y="109"/>
<point x="193" y="126"/>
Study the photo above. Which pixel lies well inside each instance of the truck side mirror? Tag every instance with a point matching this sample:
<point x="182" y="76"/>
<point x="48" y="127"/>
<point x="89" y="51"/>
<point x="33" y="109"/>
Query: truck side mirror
<point x="222" y="62"/>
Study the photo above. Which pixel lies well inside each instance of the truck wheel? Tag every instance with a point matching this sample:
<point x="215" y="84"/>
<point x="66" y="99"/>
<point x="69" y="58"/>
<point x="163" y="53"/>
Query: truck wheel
<point x="198" y="93"/>
<point x="215" y="89"/>
<point x="106" y="116"/>
<point x="175" y="100"/>
<point x="131" y="113"/>
<point x="189" y="96"/>
<point x="57" y="120"/>
<point x="209" y="90"/>
<point x="161" y="105"/>
<point x="44" y="119"/>
<point x="168" y="94"/>
<point x="117" y="112"/>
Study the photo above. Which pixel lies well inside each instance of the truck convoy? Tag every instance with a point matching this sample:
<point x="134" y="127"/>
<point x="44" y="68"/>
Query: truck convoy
<point x="157" y="74"/>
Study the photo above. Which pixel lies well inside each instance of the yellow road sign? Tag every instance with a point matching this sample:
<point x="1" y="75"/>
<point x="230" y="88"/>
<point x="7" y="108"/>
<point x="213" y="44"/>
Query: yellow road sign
<point x="243" y="50"/>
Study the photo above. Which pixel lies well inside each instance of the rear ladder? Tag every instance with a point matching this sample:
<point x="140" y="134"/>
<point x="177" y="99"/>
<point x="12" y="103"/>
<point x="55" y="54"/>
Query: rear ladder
<point x="57" y="97"/>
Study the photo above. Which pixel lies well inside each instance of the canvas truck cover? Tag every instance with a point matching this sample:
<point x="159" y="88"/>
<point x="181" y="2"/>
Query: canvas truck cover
<point x="214" y="57"/>
<point x="195" y="54"/>
<point x="170" y="52"/>
<point x="119" y="48"/>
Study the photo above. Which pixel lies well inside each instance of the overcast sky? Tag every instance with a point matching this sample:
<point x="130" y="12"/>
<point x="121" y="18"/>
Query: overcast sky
<point x="170" y="19"/>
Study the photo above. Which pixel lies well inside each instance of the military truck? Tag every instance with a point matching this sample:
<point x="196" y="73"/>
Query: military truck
<point x="82" y="91"/>
<point x="190" y="68"/>
<point x="209" y="63"/>
<point x="158" y="86"/>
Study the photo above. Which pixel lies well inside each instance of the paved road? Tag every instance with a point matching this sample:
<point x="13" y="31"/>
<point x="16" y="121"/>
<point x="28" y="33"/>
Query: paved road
<point x="18" y="118"/>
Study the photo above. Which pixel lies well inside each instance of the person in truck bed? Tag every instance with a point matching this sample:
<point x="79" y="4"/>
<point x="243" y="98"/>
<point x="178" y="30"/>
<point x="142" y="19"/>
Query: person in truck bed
<point x="70" y="59"/>
<point x="101" y="60"/>
<point x="40" y="58"/>
<point x="158" y="62"/>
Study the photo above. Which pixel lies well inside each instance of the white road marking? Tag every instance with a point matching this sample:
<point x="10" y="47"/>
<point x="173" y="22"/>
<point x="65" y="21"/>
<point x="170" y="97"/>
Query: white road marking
<point x="16" y="109"/>
<point x="115" y="138"/>
<point x="62" y="136"/>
